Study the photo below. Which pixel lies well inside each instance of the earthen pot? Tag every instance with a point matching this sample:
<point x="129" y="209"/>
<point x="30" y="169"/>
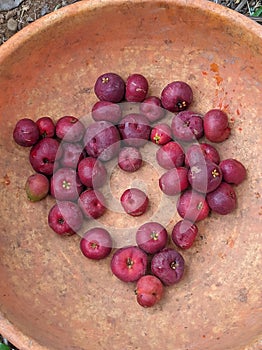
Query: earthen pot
<point x="51" y="296"/>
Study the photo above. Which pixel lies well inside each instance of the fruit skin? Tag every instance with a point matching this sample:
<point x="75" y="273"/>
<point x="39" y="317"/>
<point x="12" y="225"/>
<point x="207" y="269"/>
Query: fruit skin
<point x="129" y="263"/>
<point x="161" y="134"/>
<point x="69" y="129"/>
<point x="134" y="201"/>
<point x="184" y="234"/>
<point x="152" y="109"/>
<point x="44" y="154"/>
<point x="108" y="111"/>
<point x="136" y="88"/>
<point x="151" y="237"/>
<point x="192" y="205"/>
<point x="187" y="126"/>
<point x="149" y="290"/>
<point x="26" y="132"/>
<point x="37" y="187"/>
<point x="168" y="265"/>
<point x="46" y="127"/>
<point x="92" y="203"/>
<point x="130" y="159"/>
<point x="72" y="153"/>
<point x="171" y="155"/>
<point x="174" y="181"/>
<point x="200" y="152"/>
<point x="92" y="173"/>
<point x="216" y="127"/>
<point x="65" y="218"/>
<point x="233" y="171"/>
<point x="176" y="96"/>
<point x="110" y="87"/>
<point x="223" y="200"/>
<point x="96" y="243"/>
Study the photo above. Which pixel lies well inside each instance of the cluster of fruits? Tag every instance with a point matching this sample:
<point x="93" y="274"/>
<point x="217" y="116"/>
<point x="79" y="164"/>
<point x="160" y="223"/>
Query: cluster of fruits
<point x="70" y="158"/>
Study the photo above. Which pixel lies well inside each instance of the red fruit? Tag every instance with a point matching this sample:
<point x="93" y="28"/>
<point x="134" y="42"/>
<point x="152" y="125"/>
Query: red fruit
<point x="46" y="127"/>
<point x="136" y="88"/>
<point x="176" y="96"/>
<point x="192" y="206"/>
<point x="184" y="234"/>
<point x="110" y="87"/>
<point x="151" y="237"/>
<point x="92" y="203"/>
<point x="170" y="155"/>
<point x="70" y="129"/>
<point x="233" y="171"/>
<point x="26" y="132"/>
<point x="152" y="109"/>
<point x="199" y="153"/>
<point x="92" y="173"/>
<point x="37" y="187"/>
<point x="216" y="125"/>
<point x="108" y="111"/>
<point x="187" y="126"/>
<point x="174" y="181"/>
<point x="134" y="201"/>
<point x="72" y="153"/>
<point x="149" y="290"/>
<point x="130" y="159"/>
<point x="65" y="218"/>
<point x="65" y="185"/>
<point x="161" y="134"/>
<point x="129" y="263"/>
<point x="96" y="243"/>
<point x="223" y="200"/>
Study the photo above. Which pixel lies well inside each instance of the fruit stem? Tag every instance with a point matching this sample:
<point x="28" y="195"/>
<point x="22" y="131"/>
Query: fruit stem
<point x="129" y="263"/>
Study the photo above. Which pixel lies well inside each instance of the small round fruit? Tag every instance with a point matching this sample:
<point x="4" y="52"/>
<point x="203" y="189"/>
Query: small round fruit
<point x="161" y="134"/>
<point x="184" y="234"/>
<point x="176" y="96"/>
<point x="187" y="126"/>
<point x="199" y="153"/>
<point x="26" y="132"/>
<point x="149" y="290"/>
<point x="92" y="203"/>
<point x="134" y="201"/>
<point x="216" y="127"/>
<point x="168" y="265"/>
<point x="46" y="127"/>
<point x="174" y="181"/>
<point x="223" y="200"/>
<point x="92" y="173"/>
<point x="72" y="153"/>
<point x="233" y="171"/>
<point x="108" y="111"/>
<point x="130" y="159"/>
<point x="152" y="109"/>
<point x="170" y="155"/>
<point x="65" y="185"/>
<point x="136" y="88"/>
<point x="65" y="218"/>
<point x="96" y="243"/>
<point x="37" y="187"/>
<point x="192" y="205"/>
<point x="151" y="237"/>
<point x="110" y="87"/>
<point x="70" y="129"/>
<point x="129" y="263"/>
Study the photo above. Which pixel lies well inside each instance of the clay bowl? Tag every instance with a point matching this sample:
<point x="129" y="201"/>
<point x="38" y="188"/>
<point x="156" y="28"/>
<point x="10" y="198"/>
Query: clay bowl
<point x="51" y="296"/>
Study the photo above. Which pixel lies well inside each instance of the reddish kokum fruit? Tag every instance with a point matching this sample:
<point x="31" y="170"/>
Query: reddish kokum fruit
<point x="130" y="159"/>
<point x="70" y="129"/>
<point x="176" y="96"/>
<point x="149" y="290"/>
<point x="187" y="126"/>
<point x="108" y="111"/>
<point x="151" y="237"/>
<point x="96" y="243"/>
<point x="72" y="153"/>
<point x="110" y="87"/>
<point x="200" y="152"/>
<point x="152" y="109"/>
<point x="134" y="201"/>
<point x="184" y="234"/>
<point x="26" y="132"/>
<point x="129" y="263"/>
<point x="216" y="127"/>
<point x="92" y="203"/>
<point x="65" y="185"/>
<point x="46" y="127"/>
<point x="170" y="155"/>
<point x="223" y="200"/>
<point x="192" y="205"/>
<point x="136" y="88"/>
<point x="92" y="173"/>
<point x="161" y="134"/>
<point x="37" y="187"/>
<point x="174" y="181"/>
<point x="233" y="171"/>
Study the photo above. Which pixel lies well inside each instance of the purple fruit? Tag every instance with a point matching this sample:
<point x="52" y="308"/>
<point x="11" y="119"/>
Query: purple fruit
<point x="65" y="185"/>
<point x="102" y="140"/>
<point x="129" y="263"/>
<point x="108" y="111"/>
<point x="168" y="265"/>
<point x="44" y="154"/>
<point x="92" y="203"/>
<point x="161" y="134"/>
<point x="46" y="127"/>
<point x="72" y="153"/>
<point x="69" y="129"/>
<point x="199" y="153"/>
<point x="134" y="129"/>
<point x="184" y="234"/>
<point x="149" y="290"/>
<point x="174" y="181"/>
<point x="96" y="243"/>
<point x="216" y="125"/>
<point x="176" y="96"/>
<point x="26" y="132"/>
<point x="187" y="126"/>
<point x="136" y="88"/>
<point x="92" y="173"/>
<point x="151" y="237"/>
<point x="110" y="87"/>
<point x="152" y="109"/>
<point x="192" y="205"/>
<point x="130" y="159"/>
<point x="223" y="200"/>
<point x="233" y="171"/>
<point x="37" y="187"/>
<point x="134" y="201"/>
<point x="205" y="177"/>
<point x="170" y="155"/>
<point x="65" y="218"/>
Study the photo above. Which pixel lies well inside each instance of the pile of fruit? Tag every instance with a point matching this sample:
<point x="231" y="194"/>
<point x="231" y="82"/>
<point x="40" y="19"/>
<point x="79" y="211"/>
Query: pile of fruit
<point x="69" y="160"/>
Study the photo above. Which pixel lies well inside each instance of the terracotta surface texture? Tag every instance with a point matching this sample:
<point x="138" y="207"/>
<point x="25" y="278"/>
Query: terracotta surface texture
<point x="51" y="296"/>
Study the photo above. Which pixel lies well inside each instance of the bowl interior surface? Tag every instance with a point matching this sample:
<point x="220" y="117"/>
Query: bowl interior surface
<point x="51" y="297"/>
